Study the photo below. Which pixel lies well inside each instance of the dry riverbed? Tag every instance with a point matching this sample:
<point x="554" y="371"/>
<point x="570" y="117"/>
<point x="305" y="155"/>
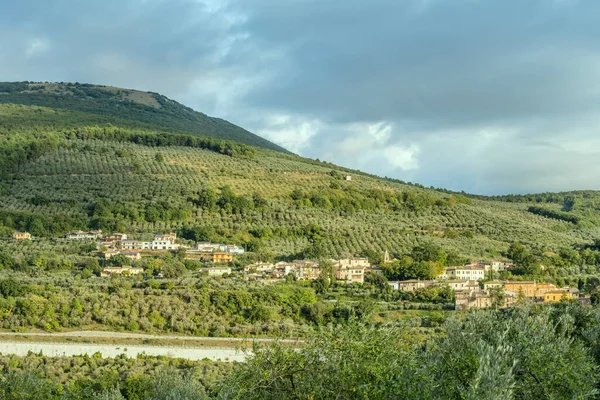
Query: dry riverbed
<point x="112" y="344"/>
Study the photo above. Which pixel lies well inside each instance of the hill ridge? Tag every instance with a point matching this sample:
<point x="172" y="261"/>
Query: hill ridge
<point x="129" y="104"/>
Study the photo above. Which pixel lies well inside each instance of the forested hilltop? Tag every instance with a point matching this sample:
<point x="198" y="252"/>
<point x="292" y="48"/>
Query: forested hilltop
<point x="126" y="108"/>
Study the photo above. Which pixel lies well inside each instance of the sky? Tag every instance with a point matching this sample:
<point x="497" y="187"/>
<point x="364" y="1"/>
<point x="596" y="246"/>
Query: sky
<point x="485" y="96"/>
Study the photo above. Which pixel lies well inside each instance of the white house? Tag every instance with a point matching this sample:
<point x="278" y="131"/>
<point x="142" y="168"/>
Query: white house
<point x="467" y="272"/>
<point x="218" y="271"/>
<point x="260" y="267"/>
<point x="412" y="284"/>
<point x="160" y="242"/>
<point x="457" y="284"/>
<point x="81" y="235"/>
<point x="129" y="245"/>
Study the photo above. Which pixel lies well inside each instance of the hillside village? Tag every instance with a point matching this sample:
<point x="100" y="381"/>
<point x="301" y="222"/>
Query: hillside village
<point x="475" y="285"/>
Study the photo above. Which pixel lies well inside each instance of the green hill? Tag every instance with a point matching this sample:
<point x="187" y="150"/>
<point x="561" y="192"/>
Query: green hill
<point x="64" y="168"/>
<point x="127" y="108"/>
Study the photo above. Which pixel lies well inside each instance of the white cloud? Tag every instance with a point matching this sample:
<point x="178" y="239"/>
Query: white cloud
<point x="37" y="47"/>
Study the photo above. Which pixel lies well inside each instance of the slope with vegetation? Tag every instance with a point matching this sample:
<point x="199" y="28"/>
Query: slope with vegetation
<point x="63" y="169"/>
<point x="127" y="108"/>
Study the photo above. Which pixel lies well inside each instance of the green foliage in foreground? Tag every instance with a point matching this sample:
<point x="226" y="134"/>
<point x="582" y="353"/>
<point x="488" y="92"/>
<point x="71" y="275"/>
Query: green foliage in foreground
<point x="514" y="354"/>
<point x="529" y="353"/>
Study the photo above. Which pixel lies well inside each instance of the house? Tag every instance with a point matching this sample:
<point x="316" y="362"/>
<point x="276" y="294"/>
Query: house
<point x="108" y="254"/>
<point x="543" y="288"/>
<point x="394" y="284"/>
<point x="106" y="245"/>
<point x="125" y="271"/>
<point x="282" y="268"/>
<point x="218" y="258"/>
<point x="527" y="288"/>
<point x="352" y="262"/>
<point x="115" y="237"/>
<point x="472" y="299"/>
<point x="351" y="270"/>
<point x="468" y="272"/>
<point x="412" y="284"/>
<point x="218" y="271"/>
<point x="129" y="245"/>
<point x="510" y="298"/>
<point x="21" y="236"/>
<point x="348" y="178"/>
<point x="555" y="296"/>
<point x="493" y="285"/>
<point x="259" y="267"/>
<point x="233" y="249"/>
<point x="456" y="284"/>
<point x="160" y="242"/>
<point x="81" y="235"/>
<point x="205" y="247"/>
<point x="350" y="274"/>
<point x="491" y="266"/>
<point x="132" y="255"/>
<point x="169" y="237"/>
<point x="306" y="270"/>
<point x="475" y="298"/>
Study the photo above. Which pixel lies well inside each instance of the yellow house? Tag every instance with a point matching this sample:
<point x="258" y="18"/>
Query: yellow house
<point x="21" y="236"/>
<point x="554" y="296"/>
<point x="218" y="257"/>
<point x="525" y="287"/>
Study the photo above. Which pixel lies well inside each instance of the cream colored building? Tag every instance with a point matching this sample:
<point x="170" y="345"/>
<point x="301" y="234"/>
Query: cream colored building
<point x="126" y="270"/>
<point x="21" y="236"/>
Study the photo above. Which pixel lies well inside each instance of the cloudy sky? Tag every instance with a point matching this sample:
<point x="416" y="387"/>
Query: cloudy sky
<point x="486" y="96"/>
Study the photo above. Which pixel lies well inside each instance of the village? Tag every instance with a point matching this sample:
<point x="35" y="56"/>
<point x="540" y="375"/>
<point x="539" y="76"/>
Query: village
<point x="474" y="285"/>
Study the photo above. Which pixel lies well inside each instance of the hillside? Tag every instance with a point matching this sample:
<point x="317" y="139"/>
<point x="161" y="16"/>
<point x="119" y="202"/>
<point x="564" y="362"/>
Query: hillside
<point x="66" y="169"/>
<point x="126" y="108"/>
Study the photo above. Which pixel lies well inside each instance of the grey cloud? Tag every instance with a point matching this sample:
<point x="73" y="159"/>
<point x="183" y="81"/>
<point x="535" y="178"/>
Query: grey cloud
<point x="454" y="63"/>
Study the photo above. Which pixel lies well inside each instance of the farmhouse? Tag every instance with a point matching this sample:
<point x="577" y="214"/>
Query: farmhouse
<point x="81" y="235"/>
<point x="259" y="267"/>
<point x="472" y="299"/>
<point x="125" y="271"/>
<point x="306" y="270"/>
<point x="218" y="271"/>
<point x="410" y="285"/>
<point x="350" y="274"/>
<point x="115" y="237"/>
<point x="555" y="296"/>
<point x="21" y="236"/>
